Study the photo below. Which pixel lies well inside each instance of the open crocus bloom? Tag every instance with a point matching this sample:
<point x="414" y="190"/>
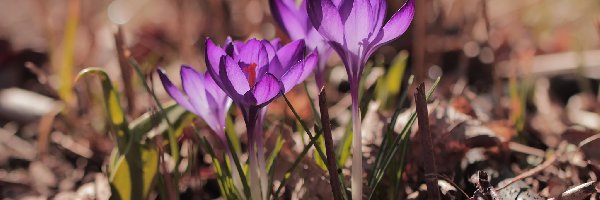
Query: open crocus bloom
<point x="295" y="23"/>
<point x="253" y="73"/>
<point x="203" y="98"/>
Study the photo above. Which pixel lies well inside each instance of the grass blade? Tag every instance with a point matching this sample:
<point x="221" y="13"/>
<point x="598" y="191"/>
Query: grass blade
<point x="171" y="137"/>
<point x="397" y="142"/>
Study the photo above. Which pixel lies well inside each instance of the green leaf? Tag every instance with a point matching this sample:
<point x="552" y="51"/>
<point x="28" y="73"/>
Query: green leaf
<point x="278" y="144"/>
<point x="171" y="135"/>
<point x="65" y="87"/>
<point x="237" y="164"/>
<point x="396" y="73"/>
<point x="119" y="180"/>
<point x="343" y="150"/>
<point x="133" y="171"/>
<point x="313" y="108"/>
<point x="154" y="120"/>
<point x="150" y="167"/>
<point x="312" y="142"/>
<point x="232" y="136"/>
<point x="379" y="171"/>
<point x="271" y="161"/>
<point x="300" y="129"/>
<point x="318" y="160"/>
<point x="220" y="171"/>
<point x="112" y="105"/>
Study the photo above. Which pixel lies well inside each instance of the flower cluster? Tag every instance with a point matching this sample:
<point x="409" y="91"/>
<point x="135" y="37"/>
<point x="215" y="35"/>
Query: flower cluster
<point x="253" y="73"/>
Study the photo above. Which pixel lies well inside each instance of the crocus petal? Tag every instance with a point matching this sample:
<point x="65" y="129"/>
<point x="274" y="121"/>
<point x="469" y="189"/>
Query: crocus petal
<point x="298" y="73"/>
<point x="253" y="51"/>
<point x="213" y="89"/>
<point x="340" y="50"/>
<point x="271" y="51"/>
<point x="344" y="8"/>
<point x="213" y="57"/>
<point x="378" y="9"/>
<point x="276" y="43"/>
<point x="325" y="18"/>
<point x="193" y="85"/>
<point x="229" y="47"/>
<point x="233" y="78"/>
<point x="286" y="15"/>
<point x="266" y="89"/>
<point x="174" y="92"/>
<point x="292" y="77"/>
<point x="214" y="114"/>
<point x="249" y="52"/>
<point x="397" y="25"/>
<point x="357" y="24"/>
<point x="310" y="62"/>
<point x="288" y="56"/>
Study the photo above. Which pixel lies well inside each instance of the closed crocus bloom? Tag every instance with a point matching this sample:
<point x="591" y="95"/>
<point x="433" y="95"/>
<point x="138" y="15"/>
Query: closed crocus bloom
<point x="355" y="29"/>
<point x="295" y="23"/>
<point x="202" y="97"/>
<point x="253" y="74"/>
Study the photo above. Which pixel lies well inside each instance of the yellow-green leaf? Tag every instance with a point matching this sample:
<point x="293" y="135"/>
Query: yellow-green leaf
<point x="150" y="168"/>
<point x="275" y="152"/>
<point x="153" y="120"/>
<point x="113" y="106"/>
<point x="133" y="177"/>
<point x="119" y="180"/>
<point x="65" y="88"/>
<point x="396" y="72"/>
<point x="318" y="160"/>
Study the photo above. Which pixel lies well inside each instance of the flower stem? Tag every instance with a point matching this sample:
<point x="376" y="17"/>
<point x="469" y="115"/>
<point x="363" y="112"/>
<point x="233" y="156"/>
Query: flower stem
<point x="357" y="168"/>
<point x="262" y="168"/>
<point x="329" y="150"/>
<point x="250" y="117"/>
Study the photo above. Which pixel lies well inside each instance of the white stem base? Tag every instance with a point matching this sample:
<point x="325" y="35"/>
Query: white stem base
<point x="357" y="168"/>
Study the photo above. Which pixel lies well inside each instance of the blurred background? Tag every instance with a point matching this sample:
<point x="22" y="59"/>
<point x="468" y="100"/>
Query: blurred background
<point x="516" y="59"/>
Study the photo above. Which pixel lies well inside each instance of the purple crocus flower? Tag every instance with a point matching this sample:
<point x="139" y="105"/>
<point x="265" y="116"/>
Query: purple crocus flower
<point x="355" y="29"/>
<point x="203" y="98"/>
<point x="295" y="23"/>
<point x="253" y="74"/>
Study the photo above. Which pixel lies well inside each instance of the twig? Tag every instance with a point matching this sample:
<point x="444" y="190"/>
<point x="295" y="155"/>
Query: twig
<point x="534" y="170"/>
<point x="450" y="182"/>
<point x="164" y="169"/>
<point x="329" y="150"/>
<point x="420" y="38"/>
<point x="580" y="192"/>
<point x="44" y="128"/>
<point x="126" y="71"/>
<point x="485" y="188"/>
<point x="517" y="147"/>
<point x="593" y="168"/>
<point x="529" y="173"/>
<point x="426" y="143"/>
